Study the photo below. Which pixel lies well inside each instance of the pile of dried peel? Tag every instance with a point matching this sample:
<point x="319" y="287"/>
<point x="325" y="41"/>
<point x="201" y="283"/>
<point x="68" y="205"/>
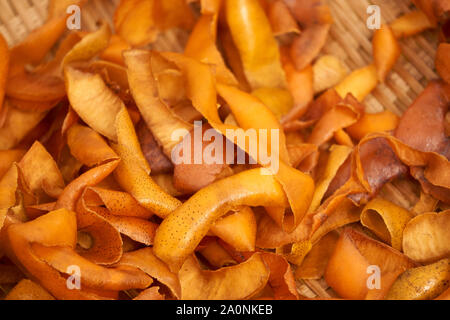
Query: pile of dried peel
<point x="87" y="179"/>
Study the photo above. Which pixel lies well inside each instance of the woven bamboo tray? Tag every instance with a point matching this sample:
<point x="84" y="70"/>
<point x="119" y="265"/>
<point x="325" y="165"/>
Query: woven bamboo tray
<point x="350" y="40"/>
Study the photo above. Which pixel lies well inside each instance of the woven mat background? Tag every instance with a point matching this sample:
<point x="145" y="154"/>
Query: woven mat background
<point x="350" y="40"/>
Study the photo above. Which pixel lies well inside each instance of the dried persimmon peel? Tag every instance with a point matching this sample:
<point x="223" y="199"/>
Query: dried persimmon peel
<point x="224" y="149"/>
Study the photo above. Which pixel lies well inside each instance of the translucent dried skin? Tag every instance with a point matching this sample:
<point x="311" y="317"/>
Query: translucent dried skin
<point x="23" y="184"/>
<point x="438" y="192"/>
<point x="270" y="235"/>
<point x="297" y="253"/>
<point x="35" y="87"/>
<point x="338" y="117"/>
<point x="386" y="51"/>
<point x="347" y="268"/>
<point x="28" y="290"/>
<point x="60" y="230"/>
<point x="300" y="85"/>
<point x="281" y="283"/>
<point x="173" y="13"/>
<point x="122" y="11"/>
<point x="169" y="82"/>
<point x="328" y="71"/>
<point x="246" y="120"/>
<point x="426" y="237"/>
<point x="132" y="172"/>
<point x="32" y="106"/>
<point x="315" y="262"/>
<point x="410" y="24"/>
<point x="435" y="165"/>
<point x="209" y="6"/>
<point x="252" y="35"/>
<point x="342" y="176"/>
<point x="94" y="276"/>
<point x="373" y="122"/>
<point x="8" y="187"/>
<point x="139" y="22"/>
<point x="237" y="229"/>
<point x="137" y="229"/>
<point x="281" y="19"/>
<point x="317" y="108"/>
<point x="279" y="101"/>
<point x="422" y="283"/>
<point x="233" y="58"/>
<point x="308" y="45"/>
<point x="55" y="142"/>
<point x="113" y="52"/>
<point x="315" y="19"/>
<point x="281" y="279"/>
<point x="159" y="118"/>
<point x="216" y="255"/>
<point x="106" y="247"/>
<point x="38" y="210"/>
<point x="41" y="173"/>
<point x="426" y="118"/>
<point x="165" y="181"/>
<point x="189" y="176"/>
<point x="202" y="47"/>
<point x="434" y="9"/>
<point x="310" y="12"/>
<point x="181" y="232"/>
<point x="37" y="44"/>
<point x="117" y="202"/>
<point x="127" y="139"/>
<point x="231" y="283"/>
<point x="89" y="47"/>
<point x="8" y="157"/>
<point x="139" y="184"/>
<point x="359" y="83"/>
<point x="426" y="203"/>
<point x="137" y="27"/>
<point x="116" y="77"/>
<point x="337" y="157"/>
<point x="93" y="101"/>
<point x="300" y="152"/>
<point x="88" y="147"/>
<point x="53" y="67"/>
<point x="145" y="260"/>
<point x="70" y="119"/>
<point x="158" y="161"/>
<point x="70" y="167"/>
<point x="73" y="190"/>
<point x="342" y="138"/>
<point x="386" y="220"/>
